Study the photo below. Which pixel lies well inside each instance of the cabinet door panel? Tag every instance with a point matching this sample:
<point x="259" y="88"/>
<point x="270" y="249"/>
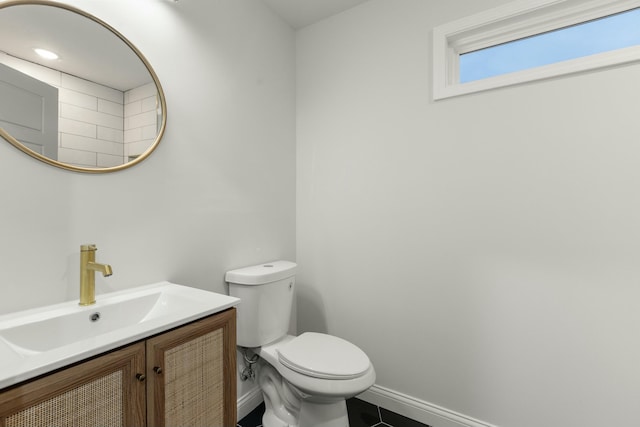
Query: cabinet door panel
<point x="100" y="392"/>
<point x="194" y="379"/>
<point x="193" y="374"/>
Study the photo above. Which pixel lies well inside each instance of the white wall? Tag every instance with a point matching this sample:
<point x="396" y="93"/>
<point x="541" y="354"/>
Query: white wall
<point x="482" y="250"/>
<point x="219" y="191"/>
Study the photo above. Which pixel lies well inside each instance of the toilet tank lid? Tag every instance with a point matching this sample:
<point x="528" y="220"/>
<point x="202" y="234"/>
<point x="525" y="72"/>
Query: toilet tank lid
<point x="261" y="274"/>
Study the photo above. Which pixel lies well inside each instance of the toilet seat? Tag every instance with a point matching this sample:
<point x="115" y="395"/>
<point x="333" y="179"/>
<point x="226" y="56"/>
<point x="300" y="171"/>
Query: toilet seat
<point x="323" y="356"/>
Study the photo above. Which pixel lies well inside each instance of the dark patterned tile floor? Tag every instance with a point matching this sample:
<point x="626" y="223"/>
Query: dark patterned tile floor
<point x="361" y="414"/>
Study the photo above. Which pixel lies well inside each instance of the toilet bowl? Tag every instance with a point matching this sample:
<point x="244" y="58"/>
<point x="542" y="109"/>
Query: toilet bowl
<point x="305" y="379"/>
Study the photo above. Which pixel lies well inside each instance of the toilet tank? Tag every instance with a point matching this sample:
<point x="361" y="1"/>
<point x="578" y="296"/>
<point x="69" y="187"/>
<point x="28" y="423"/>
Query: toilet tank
<point x="266" y="294"/>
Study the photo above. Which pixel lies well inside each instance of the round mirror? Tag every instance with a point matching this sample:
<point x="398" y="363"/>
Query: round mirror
<point x="74" y="92"/>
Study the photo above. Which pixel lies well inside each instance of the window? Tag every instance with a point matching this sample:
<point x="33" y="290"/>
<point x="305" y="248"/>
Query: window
<point x="601" y="35"/>
<point x="532" y="40"/>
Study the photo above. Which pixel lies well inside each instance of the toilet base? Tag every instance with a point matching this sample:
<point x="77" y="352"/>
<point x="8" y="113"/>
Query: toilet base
<point x="286" y="407"/>
<point x="312" y="415"/>
<point x="324" y="414"/>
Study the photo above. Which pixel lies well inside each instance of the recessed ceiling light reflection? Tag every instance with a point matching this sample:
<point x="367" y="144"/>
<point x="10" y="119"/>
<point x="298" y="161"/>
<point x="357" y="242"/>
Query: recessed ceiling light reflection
<point x="46" y="54"/>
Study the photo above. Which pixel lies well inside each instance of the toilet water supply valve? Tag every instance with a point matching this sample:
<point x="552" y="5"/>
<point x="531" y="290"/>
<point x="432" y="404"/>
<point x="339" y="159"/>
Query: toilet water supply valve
<point x="248" y="372"/>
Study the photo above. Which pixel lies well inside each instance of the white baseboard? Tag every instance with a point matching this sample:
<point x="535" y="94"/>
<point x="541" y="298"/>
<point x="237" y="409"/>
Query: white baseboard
<point x="249" y="401"/>
<point x="419" y="410"/>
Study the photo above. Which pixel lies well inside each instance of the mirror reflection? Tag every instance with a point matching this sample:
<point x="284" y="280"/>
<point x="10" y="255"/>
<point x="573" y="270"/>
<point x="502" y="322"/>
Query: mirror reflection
<point x="88" y="102"/>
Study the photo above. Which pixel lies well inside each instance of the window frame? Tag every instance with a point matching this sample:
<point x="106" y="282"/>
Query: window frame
<point x="513" y="21"/>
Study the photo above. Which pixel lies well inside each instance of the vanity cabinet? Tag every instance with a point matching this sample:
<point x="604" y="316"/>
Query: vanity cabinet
<point x="183" y="377"/>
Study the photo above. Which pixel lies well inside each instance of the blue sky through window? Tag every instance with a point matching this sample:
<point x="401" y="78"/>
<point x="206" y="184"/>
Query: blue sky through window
<point x="602" y="35"/>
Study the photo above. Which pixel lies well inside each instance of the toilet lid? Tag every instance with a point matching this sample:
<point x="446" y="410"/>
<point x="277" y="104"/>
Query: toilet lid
<point x="323" y="356"/>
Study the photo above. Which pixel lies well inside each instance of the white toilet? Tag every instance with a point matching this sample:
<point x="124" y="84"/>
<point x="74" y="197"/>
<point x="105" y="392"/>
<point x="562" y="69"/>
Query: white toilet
<point x="305" y="380"/>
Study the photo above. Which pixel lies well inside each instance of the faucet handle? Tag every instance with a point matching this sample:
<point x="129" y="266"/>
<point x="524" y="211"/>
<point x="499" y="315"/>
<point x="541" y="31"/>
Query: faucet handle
<point x="89" y="247"/>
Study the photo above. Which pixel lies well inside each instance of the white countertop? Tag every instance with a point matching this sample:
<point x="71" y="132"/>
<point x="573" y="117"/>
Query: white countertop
<point x="40" y="340"/>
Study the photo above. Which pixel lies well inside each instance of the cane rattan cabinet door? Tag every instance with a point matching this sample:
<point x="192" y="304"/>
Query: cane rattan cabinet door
<point x="192" y="374"/>
<point x="107" y="391"/>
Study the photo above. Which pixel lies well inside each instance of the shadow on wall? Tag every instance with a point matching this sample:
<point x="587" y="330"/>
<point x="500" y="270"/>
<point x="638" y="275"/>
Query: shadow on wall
<point x="311" y="313"/>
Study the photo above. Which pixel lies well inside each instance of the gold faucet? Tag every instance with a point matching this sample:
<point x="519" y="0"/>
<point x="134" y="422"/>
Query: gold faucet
<point x="88" y="267"/>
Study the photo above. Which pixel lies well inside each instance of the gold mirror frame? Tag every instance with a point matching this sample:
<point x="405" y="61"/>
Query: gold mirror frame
<point x="161" y="98"/>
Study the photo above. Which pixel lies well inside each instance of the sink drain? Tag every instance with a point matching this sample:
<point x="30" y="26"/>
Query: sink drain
<point x="94" y="317"/>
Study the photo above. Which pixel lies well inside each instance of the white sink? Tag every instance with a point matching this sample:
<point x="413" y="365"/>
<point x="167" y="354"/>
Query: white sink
<point x="36" y="341"/>
<point x="64" y="327"/>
